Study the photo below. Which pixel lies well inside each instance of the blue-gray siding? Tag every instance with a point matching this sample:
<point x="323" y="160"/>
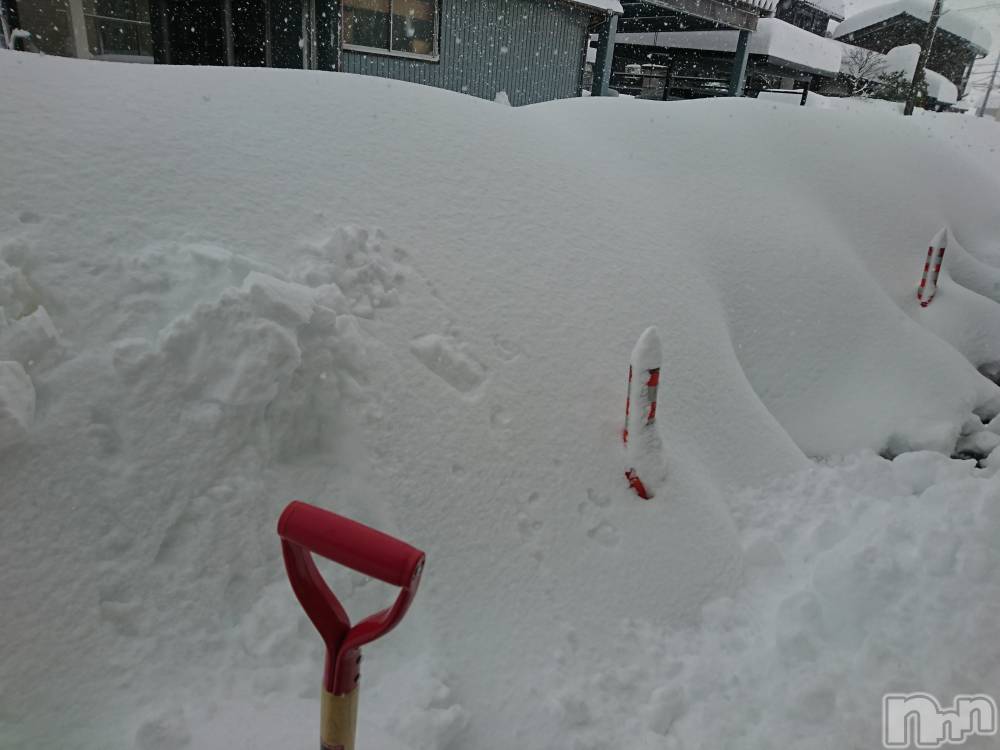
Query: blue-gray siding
<point x="530" y="49"/>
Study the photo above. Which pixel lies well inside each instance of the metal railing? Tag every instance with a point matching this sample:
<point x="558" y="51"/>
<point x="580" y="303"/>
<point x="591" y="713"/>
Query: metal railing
<point x="662" y="86"/>
<point x="802" y="93"/>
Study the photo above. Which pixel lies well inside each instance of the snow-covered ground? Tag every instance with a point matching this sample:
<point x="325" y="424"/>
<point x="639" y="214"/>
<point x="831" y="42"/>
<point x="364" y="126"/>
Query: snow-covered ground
<point x="224" y="289"/>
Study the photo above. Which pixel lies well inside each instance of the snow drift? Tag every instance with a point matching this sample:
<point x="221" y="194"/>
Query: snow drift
<point x="224" y="289"/>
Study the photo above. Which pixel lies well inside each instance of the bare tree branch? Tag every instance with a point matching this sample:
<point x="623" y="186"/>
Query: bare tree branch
<point x="863" y="67"/>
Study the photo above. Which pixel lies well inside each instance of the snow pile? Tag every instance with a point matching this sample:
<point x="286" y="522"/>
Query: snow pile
<point x="416" y="308"/>
<point x="953" y="21"/>
<point x="834" y="103"/>
<point x="773" y="38"/>
<point x="862" y="577"/>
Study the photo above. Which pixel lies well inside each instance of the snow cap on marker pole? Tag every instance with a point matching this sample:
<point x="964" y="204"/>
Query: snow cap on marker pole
<point x="647" y="353"/>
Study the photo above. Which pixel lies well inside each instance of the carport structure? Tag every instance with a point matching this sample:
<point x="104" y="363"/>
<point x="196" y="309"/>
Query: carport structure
<point x="645" y="16"/>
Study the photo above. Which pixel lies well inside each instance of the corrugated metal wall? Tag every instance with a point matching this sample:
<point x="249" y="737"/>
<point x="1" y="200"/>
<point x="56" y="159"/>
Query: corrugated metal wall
<point x="529" y="48"/>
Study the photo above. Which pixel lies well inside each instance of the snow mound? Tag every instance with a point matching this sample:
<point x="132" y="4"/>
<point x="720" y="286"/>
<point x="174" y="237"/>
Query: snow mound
<point x="417" y="308"/>
<point x="802" y="654"/>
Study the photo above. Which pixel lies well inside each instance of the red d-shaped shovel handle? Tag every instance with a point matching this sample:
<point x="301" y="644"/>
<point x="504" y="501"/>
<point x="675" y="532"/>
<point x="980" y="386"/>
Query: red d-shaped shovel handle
<point x="305" y="529"/>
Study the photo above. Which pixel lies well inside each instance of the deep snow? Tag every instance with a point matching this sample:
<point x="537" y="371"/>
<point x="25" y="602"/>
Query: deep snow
<point x="232" y="288"/>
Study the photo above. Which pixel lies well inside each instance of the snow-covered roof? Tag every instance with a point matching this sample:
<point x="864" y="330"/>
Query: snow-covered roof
<point x="833" y="8"/>
<point x="951" y="21"/>
<point x="767" y="5"/>
<point x="773" y="38"/>
<point x="608" y="6"/>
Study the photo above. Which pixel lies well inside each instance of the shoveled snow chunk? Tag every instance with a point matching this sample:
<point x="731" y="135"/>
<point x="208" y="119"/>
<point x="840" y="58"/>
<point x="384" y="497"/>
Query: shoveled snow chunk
<point x="994" y="425"/>
<point x="450" y="360"/>
<point x="978" y="443"/>
<point x="919" y="470"/>
<point x="970" y="425"/>
<point x="989" y="410"/>
<point x="28" y="339"/>
<point x="281" y="301"/>
<point x="918" y="435"/>
<point x="992" y="461"/>
<point x="17" y="296"/>
<point x="17" y="404"/>
<point x="237" y="351"/>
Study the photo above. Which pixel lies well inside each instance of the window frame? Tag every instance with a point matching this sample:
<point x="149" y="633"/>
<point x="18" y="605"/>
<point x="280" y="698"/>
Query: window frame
<point x="434" y="57"/>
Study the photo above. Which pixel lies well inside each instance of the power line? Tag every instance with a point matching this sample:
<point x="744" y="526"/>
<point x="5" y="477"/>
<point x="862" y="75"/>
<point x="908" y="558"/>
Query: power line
<point x="989" y="88"/>
<point x="977" y="7"/>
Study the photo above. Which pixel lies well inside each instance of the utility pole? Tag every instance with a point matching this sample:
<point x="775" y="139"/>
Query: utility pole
<point x="986" y="97"/>
<point x="925" y="52"/>
<point x="5" y="29"/>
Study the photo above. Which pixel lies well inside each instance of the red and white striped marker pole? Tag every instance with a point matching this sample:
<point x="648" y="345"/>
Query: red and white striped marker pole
<point x="643" y="449"/>
<point x="932" y="268"/>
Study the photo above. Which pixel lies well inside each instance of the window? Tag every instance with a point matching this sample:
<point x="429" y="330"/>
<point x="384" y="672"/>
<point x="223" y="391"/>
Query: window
<point x="49" y="25"/>
<point x="118" y="27"/>
<point x="404" y="27"/>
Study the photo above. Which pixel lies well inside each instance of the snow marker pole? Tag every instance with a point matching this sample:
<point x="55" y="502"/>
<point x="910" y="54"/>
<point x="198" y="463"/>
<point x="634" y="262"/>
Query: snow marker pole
<point x="306" y="530"/>
<point x="925" y="292"/>
<point x="646" y="358"/>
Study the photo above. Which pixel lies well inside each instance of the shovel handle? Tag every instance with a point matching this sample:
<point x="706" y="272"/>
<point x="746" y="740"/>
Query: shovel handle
<point x="350" y="544"/>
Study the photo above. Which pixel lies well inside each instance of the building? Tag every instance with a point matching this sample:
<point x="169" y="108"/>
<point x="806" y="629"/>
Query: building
<point x="89" y="29"/>
<point x="780" y="56"/>
<point x="958" y="42"/>
<point x="533" y="50"/>
<point x="814" y="16"/>
<point x="643" y="67"/>
<point x="786" y="50"/>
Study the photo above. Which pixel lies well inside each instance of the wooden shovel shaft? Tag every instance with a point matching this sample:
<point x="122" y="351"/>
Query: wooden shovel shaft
<point x="338" y="720"/>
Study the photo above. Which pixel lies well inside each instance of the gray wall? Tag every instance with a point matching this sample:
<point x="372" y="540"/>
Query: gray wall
<point x="544" y="42"/>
